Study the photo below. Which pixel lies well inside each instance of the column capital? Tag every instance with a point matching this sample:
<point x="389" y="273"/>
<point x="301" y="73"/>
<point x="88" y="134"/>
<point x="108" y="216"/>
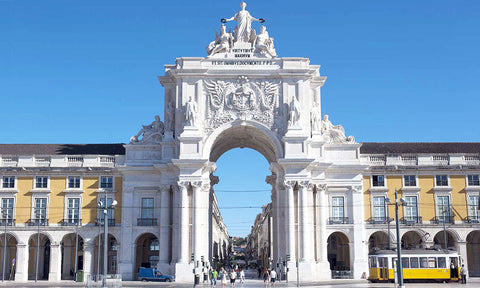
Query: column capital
<point x="304" y="184"/>
<point x="164" y="188"/>
<point x="357" y="188"/>
<point x="321" y="187"/>
<point x="183" y="184"/>
<point x="289" y="184"/>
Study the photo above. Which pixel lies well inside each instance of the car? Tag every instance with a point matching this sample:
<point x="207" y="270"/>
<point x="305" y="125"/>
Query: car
<point x="151" y="274"/>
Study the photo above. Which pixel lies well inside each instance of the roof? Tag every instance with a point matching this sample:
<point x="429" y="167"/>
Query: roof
<point x="62" y="149"/>
<point x="419" y="147"/>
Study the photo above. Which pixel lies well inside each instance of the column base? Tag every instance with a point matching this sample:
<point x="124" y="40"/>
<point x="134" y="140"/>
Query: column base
<point x="184" y="273"/>
<point x="125" y="268"/>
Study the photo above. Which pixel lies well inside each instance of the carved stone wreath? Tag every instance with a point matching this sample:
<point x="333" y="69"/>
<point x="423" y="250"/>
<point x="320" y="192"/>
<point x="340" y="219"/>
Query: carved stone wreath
<point x="229" y="100"/>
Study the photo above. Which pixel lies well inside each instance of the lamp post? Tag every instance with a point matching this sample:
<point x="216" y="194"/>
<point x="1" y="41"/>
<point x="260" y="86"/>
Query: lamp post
<point x="5" y="217"/>
<point x="444" y="227"/>
<point x="105" y="237"/>
<point x="38" y="216"/>
<point x="387" y="200"/>
<point x="76" y="249"/>
<point x="399" y="247"/>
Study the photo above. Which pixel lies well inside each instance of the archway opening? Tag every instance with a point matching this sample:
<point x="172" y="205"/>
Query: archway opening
<point x="473" y="253"/>
<point x="439" y="240"/>
<point x="39" y="257"/>
<point x="244" y="200"/>
<point x="378" y="241"/>
<point x="338" y="254"/>
<point x="111" y="255"/>
<point x="11" y="252"/>
<point x="147" y="252"/>
<point x="71" y="248"/>
<point x="412" y="240"/>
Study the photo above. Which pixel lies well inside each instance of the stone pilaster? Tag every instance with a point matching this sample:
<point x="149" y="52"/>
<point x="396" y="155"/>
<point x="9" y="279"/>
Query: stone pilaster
<point x="55" y="260"/>
<point x="21" y="262"/>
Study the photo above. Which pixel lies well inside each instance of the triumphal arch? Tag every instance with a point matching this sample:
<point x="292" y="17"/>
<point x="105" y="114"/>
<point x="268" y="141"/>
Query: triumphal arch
<point x="242" y="94"/>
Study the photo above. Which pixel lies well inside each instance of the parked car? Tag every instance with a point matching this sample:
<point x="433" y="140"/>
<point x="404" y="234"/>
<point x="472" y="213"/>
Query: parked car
<point x="151" y="274"/>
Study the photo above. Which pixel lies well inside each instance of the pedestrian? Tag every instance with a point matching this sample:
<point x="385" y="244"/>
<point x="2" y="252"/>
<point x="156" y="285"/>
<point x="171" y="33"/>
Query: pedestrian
<point x="223" y="277"/>
<point x="266" y="277"/>
<point x="214" y="275"/>
<point x="242" y="276"/>
<point x="233" y="276"/>
<point x="259" y="272"/>
<point x="273" y="277"/>
<point x="463" y="273"/>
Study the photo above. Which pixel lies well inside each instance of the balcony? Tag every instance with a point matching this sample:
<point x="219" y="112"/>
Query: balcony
<point x="444" y="219"/>
<point x="147" y="222"/>
<point x="338" y="220"/>
<point x="379" y="220"/>
<point x="37" y="222"/>
<point x="71" y="222"/>
<point x="412" y="220"/>
<point x="472" y="219"/>
<point x="100" y="222"/>
<point x="7" y="222"/>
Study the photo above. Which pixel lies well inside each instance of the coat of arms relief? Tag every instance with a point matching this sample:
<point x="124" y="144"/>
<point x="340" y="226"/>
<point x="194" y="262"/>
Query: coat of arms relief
<point x="229" y="100"/>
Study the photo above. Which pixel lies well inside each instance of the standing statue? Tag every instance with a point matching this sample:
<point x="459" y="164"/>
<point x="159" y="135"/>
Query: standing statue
<point x="243" y="30"/>
<point x="190" y="112"/>
<point x="222" y="43"/>
<point x="156" y="127"/>
<point x="334" y="133"/>
<point x="264" y="44"/>
<point x="293" y="112"/>
<point x="316" y="118"/>
<point x="170" y="117"/>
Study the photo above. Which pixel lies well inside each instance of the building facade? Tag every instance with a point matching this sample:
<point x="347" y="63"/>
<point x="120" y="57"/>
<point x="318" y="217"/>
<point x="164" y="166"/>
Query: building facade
<point x="329" y="193"/>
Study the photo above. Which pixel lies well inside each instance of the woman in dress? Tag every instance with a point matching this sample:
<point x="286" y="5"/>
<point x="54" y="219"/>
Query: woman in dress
<point x="223" y="277"/>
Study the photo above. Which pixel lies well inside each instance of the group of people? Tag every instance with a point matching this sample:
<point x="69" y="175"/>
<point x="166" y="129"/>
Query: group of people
<point x="222" y="276"/>
<point x="269" y="276"/>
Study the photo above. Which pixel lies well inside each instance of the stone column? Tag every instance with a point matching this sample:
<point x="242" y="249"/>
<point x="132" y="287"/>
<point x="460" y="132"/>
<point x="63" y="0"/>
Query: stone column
<point x="88" y="250"/>
<point x="290" y="223"/>
<point x="323" y="223"/>
<point x="126" y="253"/>
<point x="165" y="229"/>
<point x="359" y="251"/>
<point x="21" y="262"/>
<point x="183" y="229"/>
<point x="306" y="222"/>
<point x="55" y="260"/>
<point x="462" y="249"/>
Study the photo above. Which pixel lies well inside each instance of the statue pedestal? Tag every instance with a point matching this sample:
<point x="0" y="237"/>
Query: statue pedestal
<point x="295" y="143"/>
<point x="191" y="144"/>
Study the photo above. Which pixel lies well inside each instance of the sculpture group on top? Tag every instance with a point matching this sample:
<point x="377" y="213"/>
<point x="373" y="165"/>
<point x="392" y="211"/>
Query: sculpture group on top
<point x="243" y="36"/>
<point x="334" y="133"/>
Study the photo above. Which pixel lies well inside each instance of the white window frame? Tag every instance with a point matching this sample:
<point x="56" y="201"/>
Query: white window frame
<point x="466" y="180"/>
<point x="2" y="180"/>
<point x="384" y="181"/>
<point x="71" y="196"/>
<point x="405" y="208"/>
<point x="34" y="197"/>
<point x="8" y="196"/>
<point x="344" y="204"/>
<point x="74" y="188"/>
<point x="409" y="187"/>
<point x="110" y="199"/>
<point x="438" y="213"/>
<point x="441" y="186"/>
<point x="152" y="208"/>
<point x="372" y="200"/>
<point x="35" y="183"/>
<point x="476" y="214"/>
<point x="100" y="188"/>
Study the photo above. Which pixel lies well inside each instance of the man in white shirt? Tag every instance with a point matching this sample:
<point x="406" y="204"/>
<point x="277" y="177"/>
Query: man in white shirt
<point x="273" y="276"/>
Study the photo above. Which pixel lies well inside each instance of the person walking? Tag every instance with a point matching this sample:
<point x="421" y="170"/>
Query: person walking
<point x="242" y="276"/>
<point x="273" y="277"/>
<point x="233" y="276"/>
<point x="266" y="277"/>
<point x="213" y="279"/>
<point x="463" y="274"/>
<point x="223" y="277"/>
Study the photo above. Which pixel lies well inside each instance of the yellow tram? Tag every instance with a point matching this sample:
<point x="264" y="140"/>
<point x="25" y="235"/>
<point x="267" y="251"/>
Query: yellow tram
<point x="420" y="264"/>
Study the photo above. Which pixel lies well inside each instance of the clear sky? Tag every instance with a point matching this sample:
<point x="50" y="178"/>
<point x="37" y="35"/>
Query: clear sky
<point x="86" y="71"/>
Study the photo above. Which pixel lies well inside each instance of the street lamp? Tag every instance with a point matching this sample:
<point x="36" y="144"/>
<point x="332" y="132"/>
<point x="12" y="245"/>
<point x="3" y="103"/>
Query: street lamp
<point x="387" y="200"/>
<point x="399" y="247"/>
<point x="5" y="217"/>
<point x="445" y="210"/>
<point x="105" y="237"/>
<point x="38" y="217"/>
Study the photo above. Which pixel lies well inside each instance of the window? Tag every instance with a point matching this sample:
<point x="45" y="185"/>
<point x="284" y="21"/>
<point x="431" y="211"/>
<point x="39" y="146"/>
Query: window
<point x="432" y="262"/>
<point x="154" y="245"/>
<point x="73" y="210"/>
<point x="379" y="209"/>
<point x="443" y="208"/>
<point x="378" y="181"/>
<point x="41" y="182"/>
<point x="414" y="262"/>
<point x="473" y="207"/>
<point x="410" y="180"/>
<point x="473" y="180"/>
<point x="373" y="262"/>
<point x="147" y="208"/>
<point x="7" y="210"/>
<point x="109" y="211"/>
<point x="441" y="180"/>
<point x="8" y="182"/>
<point x="337" y="209"/>
<point x="423" y="262"/>
<point x="442" y="262"/>
<point x="40" y="210"/>
<point x="106" y="182"/>
<point x="153" y="259"/>
<point x="405" y="263"/>
<point x="411" y="209"/>
<point x="73" y="182"/>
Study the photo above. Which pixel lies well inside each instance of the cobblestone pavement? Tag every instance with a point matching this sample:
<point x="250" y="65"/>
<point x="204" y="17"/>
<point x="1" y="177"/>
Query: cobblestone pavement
<point x="474" y="282"/>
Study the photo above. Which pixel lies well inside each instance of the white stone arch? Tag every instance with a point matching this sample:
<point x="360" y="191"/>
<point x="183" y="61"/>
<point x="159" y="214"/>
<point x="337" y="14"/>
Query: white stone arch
<point x="141" y="233"/>
<point x="244" y="133"/>
<point x="14" y="235"/>
<point x="46" y="234"/>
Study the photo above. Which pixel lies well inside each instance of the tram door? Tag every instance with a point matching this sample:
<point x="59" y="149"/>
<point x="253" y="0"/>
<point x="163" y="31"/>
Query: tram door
<point x="383" y="265"/>
<point x="454" y="268"/>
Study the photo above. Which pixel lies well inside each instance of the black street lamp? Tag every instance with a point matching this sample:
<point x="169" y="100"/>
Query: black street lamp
<point x="399" y="247"/>
<point x="105" y="237"/>
<point x="5" y="217"/>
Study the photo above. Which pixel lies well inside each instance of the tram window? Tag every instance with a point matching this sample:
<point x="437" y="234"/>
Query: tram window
<point x="423" y="262"/>
<point x="442" y="262"/>
<point x="384" y="262"/>
<point x="405" y="262"/>
<point x="373" y="262"/>
<point x="414" y="262"/>
<point x="432" y="262"/>
<point x="394" y="260"/>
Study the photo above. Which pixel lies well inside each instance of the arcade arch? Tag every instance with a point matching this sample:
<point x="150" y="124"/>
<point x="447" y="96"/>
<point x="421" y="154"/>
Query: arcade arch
<point x="412" y="240"/>
<point x="473" y="250"/>
<point x="378" y="240"/>
<point x="71" y="248"/>
<point x="39" y="268"/>
<point x="338" y="252"/>
<point x="11" y="253"/>
<point x="147" y="252"/>
<point x="112" y="263"/>
<point x="452" y="239"/>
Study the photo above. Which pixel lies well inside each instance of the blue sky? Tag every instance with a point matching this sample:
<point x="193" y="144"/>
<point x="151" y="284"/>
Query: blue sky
<point x="86" y="71"/>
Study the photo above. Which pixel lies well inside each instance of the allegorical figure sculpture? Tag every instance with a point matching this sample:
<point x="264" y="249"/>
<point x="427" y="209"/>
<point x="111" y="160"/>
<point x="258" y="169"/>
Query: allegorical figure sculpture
<point x="190" y="112"/>
<point x="243" y="30"/>
<point x="156" y="127"/>
<point x="334" y="133"/>
<point x="222" y="43"/>
<point x="316" y="118"/>
<point x="264" y="44"/>
<point x="293" y="112"/>
<point x="170" y="117"/>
